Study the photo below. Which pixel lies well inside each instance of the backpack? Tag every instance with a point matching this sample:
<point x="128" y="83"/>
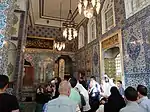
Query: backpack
<point x="83" y="102"/>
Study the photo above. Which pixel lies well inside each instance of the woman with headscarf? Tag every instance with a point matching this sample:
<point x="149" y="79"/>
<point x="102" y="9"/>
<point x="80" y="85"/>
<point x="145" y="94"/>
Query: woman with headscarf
<point x="115" y="101"/>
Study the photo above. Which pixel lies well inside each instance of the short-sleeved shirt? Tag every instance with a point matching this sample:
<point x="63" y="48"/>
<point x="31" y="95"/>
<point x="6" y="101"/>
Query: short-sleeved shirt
<point x="8" y="103"/>
<point x="75" y="96"/>
<point x="61" y="104"/>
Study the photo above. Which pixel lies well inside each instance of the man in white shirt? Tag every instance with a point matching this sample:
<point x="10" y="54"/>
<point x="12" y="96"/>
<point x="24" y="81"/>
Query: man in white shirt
<point x="94" y="94"/>
<point x="143" y="101"/>
<point x="84" y="92"/>
<point x="63" y="103"/>
<point x="131" y="98"/>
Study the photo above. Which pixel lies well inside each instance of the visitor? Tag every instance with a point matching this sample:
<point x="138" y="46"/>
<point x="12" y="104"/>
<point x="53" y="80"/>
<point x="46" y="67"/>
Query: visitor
<point x="40" y="90"/>
<point x="101" y="106"/>
<point x="74" y="94"/>
<point x="84" y="92"/>
<point x="57" y="82"/>
<point x="63" y="103"/>
<point x="66" y="77"/>
<point x="143" y="101"/>
<point x="40" y="99"/>
<point x="83" y="82"/>
<point x="48" y="93"/>
<point x="115" y="101"/>
<point x="8" y="103"/>
<point x="131" y="99"/>
<point x="106" y="86"/>
<point x="94" y="94"/>
<point x="120" y="88"/>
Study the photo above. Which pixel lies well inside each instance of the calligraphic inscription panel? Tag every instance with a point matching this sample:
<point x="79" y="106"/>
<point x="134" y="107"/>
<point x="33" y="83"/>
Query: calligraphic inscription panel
<point x="39" y="43"/>
<point x="110" y="42"/>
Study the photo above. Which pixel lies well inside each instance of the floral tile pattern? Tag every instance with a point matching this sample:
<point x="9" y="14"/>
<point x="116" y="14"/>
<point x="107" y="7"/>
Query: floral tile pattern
<point x="136" y="44"/>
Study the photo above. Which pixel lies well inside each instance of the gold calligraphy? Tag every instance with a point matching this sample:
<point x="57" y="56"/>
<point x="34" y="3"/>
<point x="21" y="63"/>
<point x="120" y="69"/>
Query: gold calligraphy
<point x="110" y="42"/>
<point x="39" y="43"/>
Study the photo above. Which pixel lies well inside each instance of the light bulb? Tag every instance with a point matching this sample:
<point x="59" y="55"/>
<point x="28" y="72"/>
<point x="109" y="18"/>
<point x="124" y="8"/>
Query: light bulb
<point x="58" y="45"/>
<point x="93" y="3"/>
<point x="69" y="37"/>
<point x="65" y="33"/>
<point x="85" y="2"/>
<point x="74" y="33"/>
<point x="88" y="13"/>
<point x="63" y="46"/>
<point x="59" y="48"/>
<point x="98" y="7"/>
<point x="80" y="8"/>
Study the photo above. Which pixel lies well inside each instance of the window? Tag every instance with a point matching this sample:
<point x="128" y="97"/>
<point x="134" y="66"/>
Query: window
<point x="61" y="68"/>
<point x="91" y="29"/>
<point x="108" y="16"/>
<point x="81" y="37"/>
<point x="118" y="65"/>
<point x="134" y="6"/>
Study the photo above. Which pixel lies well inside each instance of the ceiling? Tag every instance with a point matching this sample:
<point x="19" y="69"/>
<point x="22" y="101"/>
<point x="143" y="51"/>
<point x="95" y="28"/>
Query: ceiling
<point x="42" y="11"/>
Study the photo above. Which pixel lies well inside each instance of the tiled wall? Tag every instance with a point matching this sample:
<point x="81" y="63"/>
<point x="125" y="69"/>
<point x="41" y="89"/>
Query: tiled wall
<point x="136" y="43"/>
<point x="90" y="51"/>
<point x="44" y="31"/>
<point x="88" y="61"/>
<point x="51" y="32"/>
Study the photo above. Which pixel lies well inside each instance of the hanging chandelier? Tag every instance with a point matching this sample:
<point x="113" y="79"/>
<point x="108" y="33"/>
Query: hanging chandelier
<point x="70" y="31"/>
<point x="88" y="7"/>
<point x="59" y="43"/>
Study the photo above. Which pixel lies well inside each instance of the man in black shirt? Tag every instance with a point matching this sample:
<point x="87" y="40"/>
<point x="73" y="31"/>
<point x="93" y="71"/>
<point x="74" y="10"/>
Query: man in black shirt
<point x="8" y="103"/>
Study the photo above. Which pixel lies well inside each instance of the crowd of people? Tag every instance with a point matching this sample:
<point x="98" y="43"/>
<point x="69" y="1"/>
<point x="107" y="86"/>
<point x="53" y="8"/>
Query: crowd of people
<point x="90" y="96"/>
<point x="73" y="95"/>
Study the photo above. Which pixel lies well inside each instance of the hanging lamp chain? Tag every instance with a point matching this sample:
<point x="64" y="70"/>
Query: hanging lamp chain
<point x="60" y="13"/>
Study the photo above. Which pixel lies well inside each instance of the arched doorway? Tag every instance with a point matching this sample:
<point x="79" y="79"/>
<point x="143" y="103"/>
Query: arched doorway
<point x="111" y="59"/>
<point x="112" y="63"/>
<point x="63" y="66"/>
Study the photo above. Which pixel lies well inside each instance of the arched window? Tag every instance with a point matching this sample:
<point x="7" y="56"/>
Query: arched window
<point x="91" y="29"/>
<point x="108" y="16"/>
<point x="61" y="68"/>
<point x="134" y="6"/>
<point x="81" y="37"/>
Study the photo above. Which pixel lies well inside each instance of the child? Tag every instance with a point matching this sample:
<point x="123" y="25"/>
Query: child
<point x="101" y="106"/>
